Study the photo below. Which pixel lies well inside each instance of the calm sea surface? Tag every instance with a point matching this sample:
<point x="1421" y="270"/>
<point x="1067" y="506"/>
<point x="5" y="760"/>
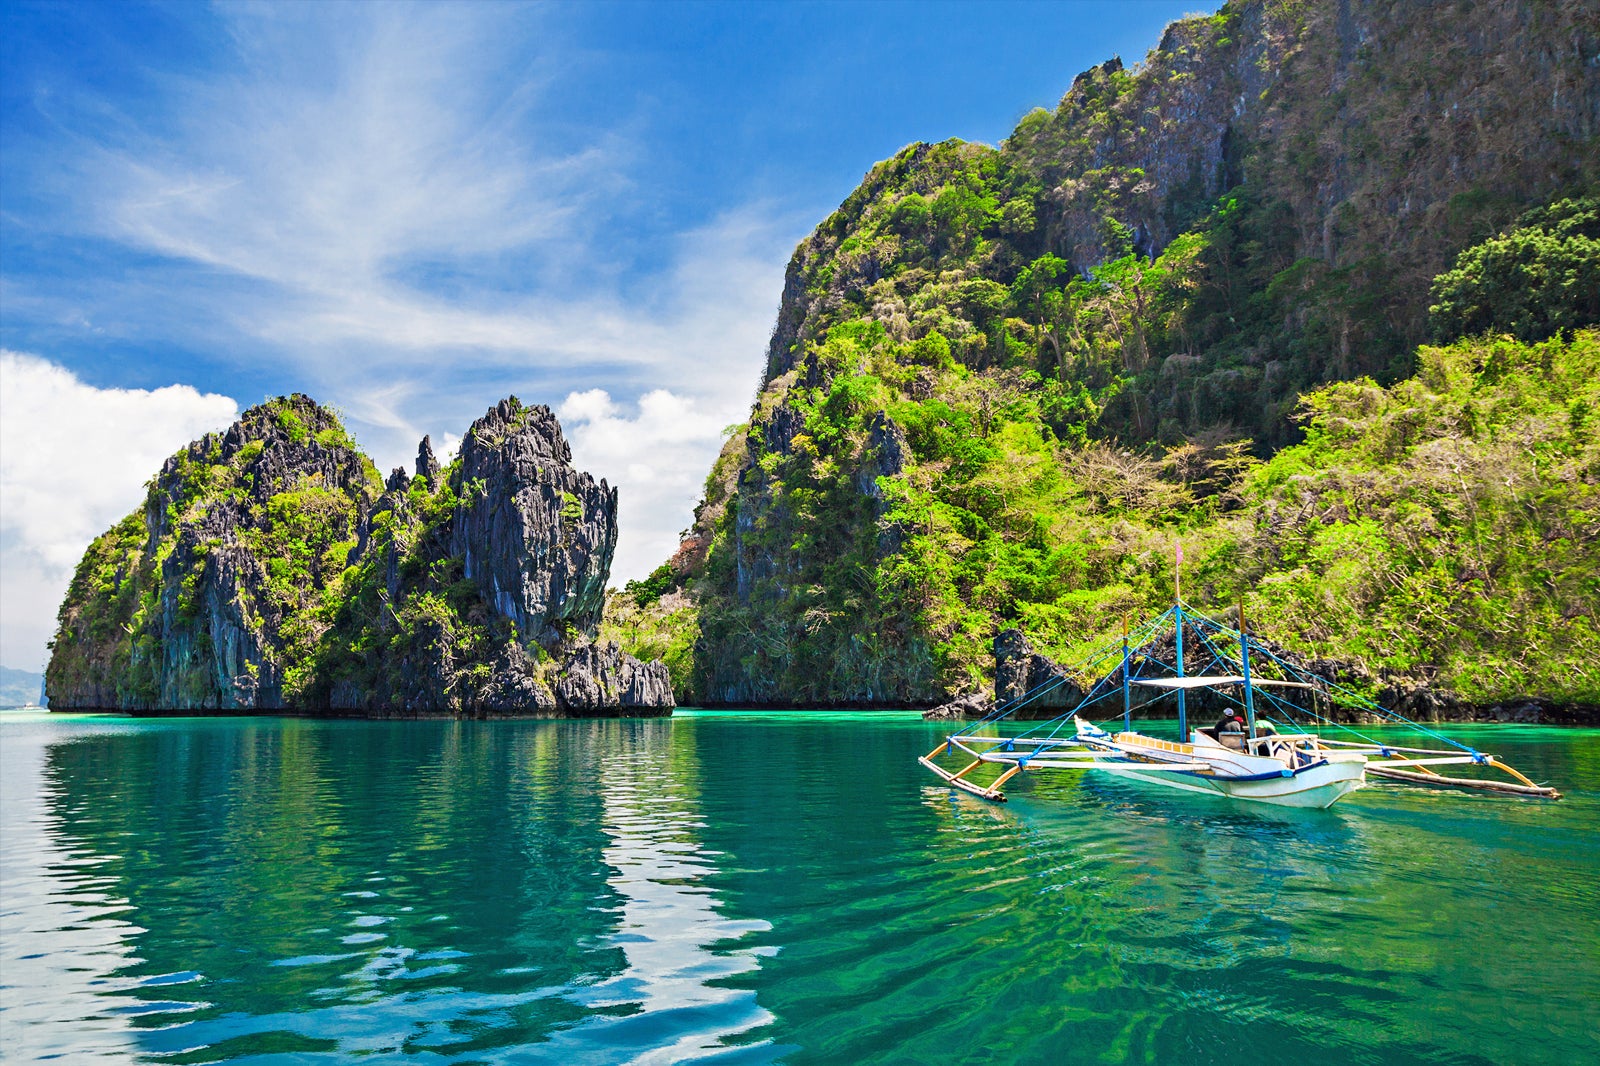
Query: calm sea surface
<point x="760" y="888"/>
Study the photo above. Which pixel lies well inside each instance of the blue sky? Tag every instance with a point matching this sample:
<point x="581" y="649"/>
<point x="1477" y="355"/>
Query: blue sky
<point x="409" y="211"/>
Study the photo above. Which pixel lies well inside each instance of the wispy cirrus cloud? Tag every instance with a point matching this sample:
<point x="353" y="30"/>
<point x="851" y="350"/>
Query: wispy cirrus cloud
<point x="386" y="174"/>
<point x="423" y="232"/>
<point x="345" y="139"/>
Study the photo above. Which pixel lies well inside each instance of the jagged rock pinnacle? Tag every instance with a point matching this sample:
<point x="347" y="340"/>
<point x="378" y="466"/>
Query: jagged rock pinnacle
<point x="427" y="465"/>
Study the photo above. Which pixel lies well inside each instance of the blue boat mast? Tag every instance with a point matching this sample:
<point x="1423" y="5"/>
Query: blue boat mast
<point x="1249" y="692"/>
<point x="1183" y="711"/>
<point x="1177" y="614"/>
<point x="1127" y="699"/>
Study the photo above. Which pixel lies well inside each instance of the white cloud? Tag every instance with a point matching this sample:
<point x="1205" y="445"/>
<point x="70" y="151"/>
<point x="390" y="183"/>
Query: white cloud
<point x="655" y="499"/>
<point x="73" y="460"/>
<point x="591" y="405"/>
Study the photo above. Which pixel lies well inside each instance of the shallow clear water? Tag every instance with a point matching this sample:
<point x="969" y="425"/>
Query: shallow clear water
<point x="756" y="888"/>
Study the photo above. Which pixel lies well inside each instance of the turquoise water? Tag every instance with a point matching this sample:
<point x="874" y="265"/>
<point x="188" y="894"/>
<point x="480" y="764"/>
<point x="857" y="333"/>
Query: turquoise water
<point x="758" y="888"/>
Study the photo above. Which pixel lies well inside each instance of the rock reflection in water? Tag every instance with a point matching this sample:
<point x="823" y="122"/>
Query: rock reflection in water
<point x="671" y="1003"/>
<point x="233" y="889"/>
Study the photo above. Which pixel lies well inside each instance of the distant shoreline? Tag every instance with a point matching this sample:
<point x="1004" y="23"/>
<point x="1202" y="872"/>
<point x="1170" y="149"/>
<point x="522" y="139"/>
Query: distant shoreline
<point x="1516" y="712"/>
<point x="375" y="716"/>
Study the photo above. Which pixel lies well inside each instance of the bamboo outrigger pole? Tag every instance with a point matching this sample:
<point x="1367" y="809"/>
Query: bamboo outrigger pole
<point x="1432" y="778"/>
<point x="990" y="792"/>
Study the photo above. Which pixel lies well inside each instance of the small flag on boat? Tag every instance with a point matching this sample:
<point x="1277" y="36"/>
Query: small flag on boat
<point x="1180" y="553"/>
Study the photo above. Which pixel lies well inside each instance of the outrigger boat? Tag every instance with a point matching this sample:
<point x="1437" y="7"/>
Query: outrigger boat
<point x="1281" y="756"/>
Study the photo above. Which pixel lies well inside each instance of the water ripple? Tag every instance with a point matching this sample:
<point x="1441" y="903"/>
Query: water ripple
<point x="760" y="888"/>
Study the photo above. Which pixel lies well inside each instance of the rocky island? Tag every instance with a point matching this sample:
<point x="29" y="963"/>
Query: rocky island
<point x="272" y="570"/>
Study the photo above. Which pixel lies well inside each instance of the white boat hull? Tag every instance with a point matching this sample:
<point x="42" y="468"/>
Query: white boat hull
<point x="1317" y="786"/>
<point x="1260" y="779"/>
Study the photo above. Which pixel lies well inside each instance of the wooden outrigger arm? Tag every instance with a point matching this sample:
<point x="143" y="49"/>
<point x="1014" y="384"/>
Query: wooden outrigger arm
<point x="1432" y="777"/>
<point x="959" y="777"/>
<point x="991" y="793"/>
<point x="1038" y="754"/>
<point x="1416" y="765"/>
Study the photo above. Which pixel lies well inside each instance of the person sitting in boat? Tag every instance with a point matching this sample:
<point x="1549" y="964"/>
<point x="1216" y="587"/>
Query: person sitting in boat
<point x="1230" y="731"/>
<point x="1266" y="739"/>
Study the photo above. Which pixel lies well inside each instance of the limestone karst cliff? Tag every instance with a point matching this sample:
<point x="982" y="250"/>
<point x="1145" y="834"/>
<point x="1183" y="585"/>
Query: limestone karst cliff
<point x="1315" y="162"/>
<point x="1004" y="381"/>
<point x="271" y="569"/>
<point x="544" y="561"/>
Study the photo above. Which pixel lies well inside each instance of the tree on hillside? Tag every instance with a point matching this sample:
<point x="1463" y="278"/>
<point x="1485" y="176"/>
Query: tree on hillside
<point x="1540" y="278"/>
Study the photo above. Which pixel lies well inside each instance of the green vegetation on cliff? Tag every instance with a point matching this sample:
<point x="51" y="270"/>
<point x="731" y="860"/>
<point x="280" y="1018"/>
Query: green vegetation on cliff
<point x="1448" y="525"/>
<point x="271" y="569"/>
<point x="413" y="630"/>
<point x="1004" y="383"/>
<point x="217" y="590"/>
<point x="665" y="628"/>
<point x="1444" y="528"/>
<point x="1541" y="277"/>
<point x="1258" y="208"/>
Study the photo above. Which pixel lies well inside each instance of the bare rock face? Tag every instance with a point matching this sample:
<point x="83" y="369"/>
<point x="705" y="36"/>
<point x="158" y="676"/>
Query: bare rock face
<point x="536" y="535"/>
<point x="972" y="706"/>
<point x="427" y="465"/>
<point x="603" y="677"/>
<point x="1019" y="671"/>
<point x="515" y="686"/>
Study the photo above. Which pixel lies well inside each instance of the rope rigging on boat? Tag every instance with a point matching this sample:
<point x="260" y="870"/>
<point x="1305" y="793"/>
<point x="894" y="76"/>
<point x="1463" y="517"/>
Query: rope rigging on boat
<point x="1291" y="763"/>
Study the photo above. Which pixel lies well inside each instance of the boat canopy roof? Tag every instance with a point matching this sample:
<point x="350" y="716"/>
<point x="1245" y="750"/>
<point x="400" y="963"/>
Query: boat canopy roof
<point x="1206" y="680"/>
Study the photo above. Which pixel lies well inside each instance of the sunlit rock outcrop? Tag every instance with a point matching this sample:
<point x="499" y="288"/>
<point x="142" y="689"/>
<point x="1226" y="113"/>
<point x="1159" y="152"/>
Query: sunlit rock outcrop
<point x="271" y="570"/>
